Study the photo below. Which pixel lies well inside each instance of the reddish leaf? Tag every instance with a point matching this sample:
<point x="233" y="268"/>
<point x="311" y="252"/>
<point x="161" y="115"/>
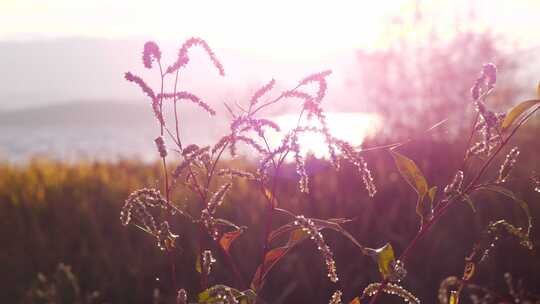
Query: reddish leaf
<point x="270" y="259"/>
<point x="227" y="238"/>
<point x="274" y="255"/>
<point x="355" y="301"/>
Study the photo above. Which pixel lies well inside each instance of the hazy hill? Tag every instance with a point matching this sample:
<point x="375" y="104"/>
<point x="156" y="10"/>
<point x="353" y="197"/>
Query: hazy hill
<point x="81" y="113"/>
<point x="102" y="130"/>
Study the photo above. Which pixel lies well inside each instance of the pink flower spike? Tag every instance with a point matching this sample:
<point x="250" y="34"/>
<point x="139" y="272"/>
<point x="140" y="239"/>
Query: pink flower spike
<point x="183" y="57"/>
<point x="151" y="52"/>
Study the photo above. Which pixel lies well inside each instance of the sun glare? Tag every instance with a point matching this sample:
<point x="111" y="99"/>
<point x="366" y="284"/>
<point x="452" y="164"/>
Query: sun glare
<point x="351" y="127"/>
<point x="287" y="29"/>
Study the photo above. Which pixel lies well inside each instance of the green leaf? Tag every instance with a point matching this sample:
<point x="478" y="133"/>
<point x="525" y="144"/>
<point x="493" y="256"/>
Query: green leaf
<point x="454" y="298"/>
<point x="207" y="297"/>
<point x="410" y="172"/>
<point x="432" y="193"/>
<point x="198" y="264"/>
<point x="516" y="112"/>
<point x="468" y="200"/>
<point x="248" y="296"/>
<point x="383" y="256"/>
<point x="414" y="177"/>
<point x="522" y="204"/>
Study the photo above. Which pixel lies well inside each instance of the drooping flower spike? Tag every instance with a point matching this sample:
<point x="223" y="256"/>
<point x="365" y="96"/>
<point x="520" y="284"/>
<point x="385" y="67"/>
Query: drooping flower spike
<point x="183" y="57"/>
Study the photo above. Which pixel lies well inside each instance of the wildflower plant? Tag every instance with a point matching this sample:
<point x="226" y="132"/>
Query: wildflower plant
<point x="199" y="170"/>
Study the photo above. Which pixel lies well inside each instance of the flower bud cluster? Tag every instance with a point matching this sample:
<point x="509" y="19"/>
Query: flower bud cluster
<point x="316" y="236"/>
<point x="207" y="214"/>
<point x="181" y="298"/>
<point x="137" y="207"/>
<point x="208" y="261"/>
<point x="223" y="294"/>
<point x="336" y="297"/>
<point x="391" y="289"/>
<point x="160" y="144"/>
<point x="455" y="186"/>
<point x="508" y="165"/>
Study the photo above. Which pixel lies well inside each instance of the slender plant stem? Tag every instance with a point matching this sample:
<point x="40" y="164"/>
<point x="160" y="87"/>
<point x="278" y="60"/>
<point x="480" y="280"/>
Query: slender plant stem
<point x="176" y="112"/>
<point x="202" y="231"/>
<point x="228" y="257"/>
<point x="210" y="175"/>
<point x="272" y="200"/>
<point x="469" y="141"/>
<point x="166" y="175"/>
<point x="264" y="105"/>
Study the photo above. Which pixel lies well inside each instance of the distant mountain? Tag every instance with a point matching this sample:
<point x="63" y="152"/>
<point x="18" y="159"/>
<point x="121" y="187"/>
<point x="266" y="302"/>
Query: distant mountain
<point x="81" y="113"/>
<point x="112" y="113"/>
<point x="97" y="130"/>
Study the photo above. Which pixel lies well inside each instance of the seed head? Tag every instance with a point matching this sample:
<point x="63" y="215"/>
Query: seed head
<point x="261" y="91"/>
<point x="391" y="289"/>
<point x="207" y="261"/>
<point x="489" y="70"/>
<point x="455" y="186"/>
<point x="148" y="91"/>
<point x="151" y="52"/>
<point x="316" y="236"/>
<point x="189" y="97"/>
<point x="160" y="143"/>
<point x="181" y="298"/>
<point x="508" y="165"/>
<point x="535" y="182"/>
<point x="183" y="57"/>
<point x="336" y="297"/>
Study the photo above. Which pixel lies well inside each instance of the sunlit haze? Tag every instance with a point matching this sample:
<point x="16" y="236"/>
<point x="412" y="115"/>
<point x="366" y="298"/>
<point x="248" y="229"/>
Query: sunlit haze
<point x="63" y="58"/>
<point x="351" y="127"/>
<point x="293" y="29"/>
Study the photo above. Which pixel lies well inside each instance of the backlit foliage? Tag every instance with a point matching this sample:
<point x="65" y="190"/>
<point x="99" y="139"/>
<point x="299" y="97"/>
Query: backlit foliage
<point x="199" y="172"/>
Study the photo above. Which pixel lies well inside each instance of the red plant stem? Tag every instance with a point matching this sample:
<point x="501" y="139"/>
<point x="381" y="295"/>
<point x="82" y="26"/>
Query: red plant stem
<point x="176" y="113"/>
<point x="161" y="99"/>
<point x="271" y="201"/>
<point x="165" y="173"/>
<point x="228" y="257"/>
<point x="173" y="269"/>
<point x="271" y="206"/>
<point x="406" y="253"/>
<point x="202" y="231"/>
<point x="267" y="228"/>
<point x="264" y="105"/>
<point x="213" y="168"/>
<point x="178" y="141"/>
<point x="269" y="211"/>
<point x="466" y="156"/>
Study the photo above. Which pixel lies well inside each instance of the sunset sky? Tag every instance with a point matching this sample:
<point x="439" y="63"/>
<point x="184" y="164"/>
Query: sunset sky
<point x="294" y="29"/>
<point x="256" y="40"/>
